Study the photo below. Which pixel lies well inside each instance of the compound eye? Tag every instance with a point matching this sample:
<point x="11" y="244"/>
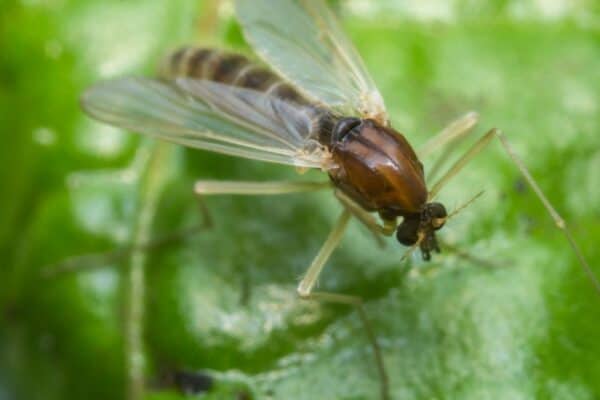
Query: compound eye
<point x="407" y="233"/>
<point x="437" y="210"/>
<point x="437" y="214"/>
<point x="343" y="128"/>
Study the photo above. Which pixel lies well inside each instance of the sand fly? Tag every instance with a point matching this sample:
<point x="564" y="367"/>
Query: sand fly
<point x="312" y="104"/>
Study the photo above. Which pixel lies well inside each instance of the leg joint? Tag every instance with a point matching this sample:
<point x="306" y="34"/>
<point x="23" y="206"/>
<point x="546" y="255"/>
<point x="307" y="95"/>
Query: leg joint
<point x="303" y="291"/>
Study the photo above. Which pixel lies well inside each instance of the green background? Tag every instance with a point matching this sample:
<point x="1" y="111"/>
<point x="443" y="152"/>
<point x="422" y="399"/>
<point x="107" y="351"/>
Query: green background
<point x="223" y="300"/>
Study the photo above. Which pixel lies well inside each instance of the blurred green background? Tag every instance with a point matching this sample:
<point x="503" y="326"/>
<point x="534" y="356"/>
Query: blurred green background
<point x="83" y="316"/>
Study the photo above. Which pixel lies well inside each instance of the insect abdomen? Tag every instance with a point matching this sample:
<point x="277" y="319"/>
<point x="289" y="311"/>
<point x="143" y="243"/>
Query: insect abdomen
<point x="228" y="68"/>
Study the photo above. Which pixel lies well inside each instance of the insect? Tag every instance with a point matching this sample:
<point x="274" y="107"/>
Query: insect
<point x="314" y="107"/>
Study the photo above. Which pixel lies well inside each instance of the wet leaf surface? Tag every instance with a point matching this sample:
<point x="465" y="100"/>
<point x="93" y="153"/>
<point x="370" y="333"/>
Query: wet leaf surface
<point x="222" y="300"/>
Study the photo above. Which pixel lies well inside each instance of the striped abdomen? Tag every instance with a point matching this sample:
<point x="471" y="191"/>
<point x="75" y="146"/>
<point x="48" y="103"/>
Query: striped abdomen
<point x="237" y="70"/>
<point x="229" y="68"/>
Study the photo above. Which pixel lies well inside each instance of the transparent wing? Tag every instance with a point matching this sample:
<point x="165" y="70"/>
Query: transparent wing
<point x="211" y="116"/>
<point x="303" y="41"/>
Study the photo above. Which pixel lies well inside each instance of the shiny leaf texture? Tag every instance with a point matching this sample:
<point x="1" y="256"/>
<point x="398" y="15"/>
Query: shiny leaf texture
<point x="93" y="219"/>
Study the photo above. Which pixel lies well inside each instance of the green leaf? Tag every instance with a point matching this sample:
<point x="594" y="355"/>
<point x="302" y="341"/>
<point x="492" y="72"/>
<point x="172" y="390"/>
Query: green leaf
<point x="222" y="301"/>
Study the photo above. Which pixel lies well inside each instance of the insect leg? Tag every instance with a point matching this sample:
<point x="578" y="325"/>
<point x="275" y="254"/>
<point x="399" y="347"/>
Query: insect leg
<point x="467" y="256"/>
<point x="202" y="187"/>
<point x="461" y="162"/>
<point x="455" y="130"/>
<point x="101" y="259"/>
<point x="558" y="220"/>
<point x="387" y="228"/>
<point x="459" y="130"/>
<point x="212" y="187"/>
<point x="332" y="241"/>
<point x="310" y="278"/>
<point x="358" y="303"/>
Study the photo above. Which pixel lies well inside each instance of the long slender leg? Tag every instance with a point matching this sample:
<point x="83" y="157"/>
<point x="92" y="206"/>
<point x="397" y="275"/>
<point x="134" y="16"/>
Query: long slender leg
<point x="461" y="162"/>
<point x="101" y="259"/>
<point x="387" y="228"/>
<point x="201" y="188"/>
<point x="364" y="217"/>
<point x="558" y="220"/>
<point x="313" y="272"/>
<point x="332" y="241"/>
<point x="213" y="187"/>
<point x="465" y="255"/>
<point x="216" y="187"/>
<point x="207" y="219"/>
<point x="453" y="131"/>
<point x="449" y="149"/>
<point x="269" y="188"/>
<point x="358" y="303"/>
<point x="310" y="278"/>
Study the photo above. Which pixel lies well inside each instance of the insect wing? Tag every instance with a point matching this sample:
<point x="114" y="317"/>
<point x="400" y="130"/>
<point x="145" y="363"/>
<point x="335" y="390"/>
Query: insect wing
<point x="303" y="41"/>
<point x="210" y="116"/>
